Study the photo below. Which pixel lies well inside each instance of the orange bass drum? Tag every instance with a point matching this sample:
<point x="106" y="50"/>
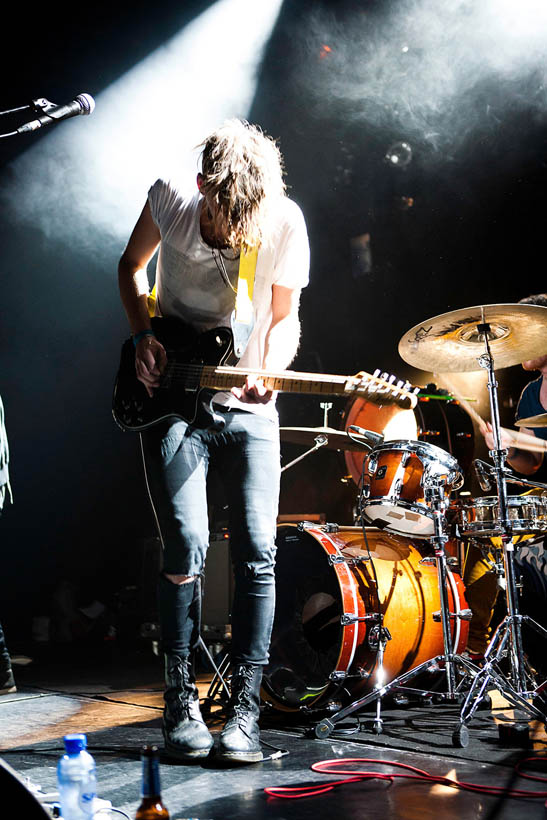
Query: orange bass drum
<point x="323" y="635"/>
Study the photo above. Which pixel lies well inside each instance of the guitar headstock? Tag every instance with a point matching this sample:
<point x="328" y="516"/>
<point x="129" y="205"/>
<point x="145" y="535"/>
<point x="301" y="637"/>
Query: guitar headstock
<point x="383" y="388"/>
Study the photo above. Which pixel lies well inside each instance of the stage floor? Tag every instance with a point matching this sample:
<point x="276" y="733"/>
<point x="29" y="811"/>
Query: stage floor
<point x="116" y="699"/>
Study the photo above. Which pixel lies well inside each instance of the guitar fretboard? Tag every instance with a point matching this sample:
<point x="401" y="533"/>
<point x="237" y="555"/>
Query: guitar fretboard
<point x="374" y="387"/>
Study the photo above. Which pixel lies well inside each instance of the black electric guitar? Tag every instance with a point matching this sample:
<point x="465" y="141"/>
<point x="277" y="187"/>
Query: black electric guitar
<point x="200" y="363"/>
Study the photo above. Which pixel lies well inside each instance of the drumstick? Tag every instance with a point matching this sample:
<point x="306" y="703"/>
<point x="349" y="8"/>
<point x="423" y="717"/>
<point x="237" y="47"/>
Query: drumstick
<point x="518" y="439"/>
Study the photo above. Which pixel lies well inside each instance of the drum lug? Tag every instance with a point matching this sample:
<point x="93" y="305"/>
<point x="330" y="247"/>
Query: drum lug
<point x="463" y="615"/>
<point x="346" y="618"/>
<point x="330" y="527"/>
<point x="336" y="559"/>
<point x="431" y="560"/>
<point x="338" y="676"/>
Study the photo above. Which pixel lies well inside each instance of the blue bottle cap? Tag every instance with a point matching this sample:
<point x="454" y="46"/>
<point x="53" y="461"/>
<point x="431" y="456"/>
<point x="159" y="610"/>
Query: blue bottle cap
<point x="75" y="743"/>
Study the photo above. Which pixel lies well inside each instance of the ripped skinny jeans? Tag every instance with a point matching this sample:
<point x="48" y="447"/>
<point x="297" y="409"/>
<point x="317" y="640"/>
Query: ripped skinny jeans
<point x="244" y="449"/>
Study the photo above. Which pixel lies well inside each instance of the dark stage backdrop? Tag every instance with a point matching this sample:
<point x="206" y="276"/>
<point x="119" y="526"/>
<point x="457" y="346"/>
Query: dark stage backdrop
<point x="458" y="222"/>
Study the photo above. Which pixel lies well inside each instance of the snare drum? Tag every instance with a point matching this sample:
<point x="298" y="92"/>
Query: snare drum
<point x="395" y="475"/>
<point x="330" y="584"/>
<point x="478" y="517"/>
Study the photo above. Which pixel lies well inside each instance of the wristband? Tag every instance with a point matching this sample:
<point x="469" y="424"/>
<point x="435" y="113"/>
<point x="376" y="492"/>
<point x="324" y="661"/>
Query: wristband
<point x="141" y="334"/>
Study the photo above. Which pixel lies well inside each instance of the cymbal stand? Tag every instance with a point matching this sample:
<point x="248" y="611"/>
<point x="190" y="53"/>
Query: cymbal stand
<point x="437" y="499"/>
<point x="507" y="638"/>
<point x="321" y="440"/>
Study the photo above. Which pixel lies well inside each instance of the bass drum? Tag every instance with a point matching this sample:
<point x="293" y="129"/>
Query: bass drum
<point x="331" y="582"/>
<point x="434" y="420"/>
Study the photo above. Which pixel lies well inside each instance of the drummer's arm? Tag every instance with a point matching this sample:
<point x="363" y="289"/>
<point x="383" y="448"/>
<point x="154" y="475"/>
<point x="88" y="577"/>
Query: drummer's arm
<point x="526" y="462"/>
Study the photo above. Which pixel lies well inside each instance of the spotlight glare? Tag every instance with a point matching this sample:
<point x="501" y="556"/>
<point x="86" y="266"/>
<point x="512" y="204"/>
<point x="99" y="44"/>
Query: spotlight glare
<point x="145" y="125"/>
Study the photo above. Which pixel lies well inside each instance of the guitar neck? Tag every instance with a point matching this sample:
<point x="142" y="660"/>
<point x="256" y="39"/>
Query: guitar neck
<point x="289" y="381"/>
<point x="375" y="388"/>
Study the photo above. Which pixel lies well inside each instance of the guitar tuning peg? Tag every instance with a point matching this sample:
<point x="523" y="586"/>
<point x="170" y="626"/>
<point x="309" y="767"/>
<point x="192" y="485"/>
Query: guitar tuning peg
<point x="391" y="379"/>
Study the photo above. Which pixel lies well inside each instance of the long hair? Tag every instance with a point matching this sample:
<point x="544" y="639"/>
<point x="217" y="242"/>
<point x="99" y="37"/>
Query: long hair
<point x="242" y="171"/>
<point x="539" y="299"/>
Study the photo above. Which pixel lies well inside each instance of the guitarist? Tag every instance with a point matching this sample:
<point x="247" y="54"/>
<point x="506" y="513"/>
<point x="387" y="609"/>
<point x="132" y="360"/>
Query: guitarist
<point x="240" y="205"/>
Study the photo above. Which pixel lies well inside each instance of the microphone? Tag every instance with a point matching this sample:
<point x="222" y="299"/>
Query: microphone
<point x="82" y="104"/>
<point x="373" y="439"/>
<point x="482" y="470"/>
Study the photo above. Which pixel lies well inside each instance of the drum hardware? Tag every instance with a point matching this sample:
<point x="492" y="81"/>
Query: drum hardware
<point x="431" y="561"/>
<point x="327" y="436"/>
<point x="378" y="635"/>
<point x="330" y="527"/>
<point x="358" y="619"/>
<point x="320" y="440"/>
<point x="437" y="499"/>
<point x="326" y="406"/>
<point x="485" y="472"/>
<point x="464" y="615"/>
<point x="359" y="674"/>
<point x="511" y="334"/>
<point x="352" y="562"/>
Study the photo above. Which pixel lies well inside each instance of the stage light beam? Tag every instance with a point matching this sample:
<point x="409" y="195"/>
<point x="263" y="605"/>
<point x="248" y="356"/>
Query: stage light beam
<point x="90" y="179"/>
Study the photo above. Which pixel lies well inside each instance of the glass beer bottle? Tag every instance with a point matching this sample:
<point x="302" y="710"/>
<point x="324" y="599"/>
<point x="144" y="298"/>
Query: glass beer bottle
<point x="151" y="806"/>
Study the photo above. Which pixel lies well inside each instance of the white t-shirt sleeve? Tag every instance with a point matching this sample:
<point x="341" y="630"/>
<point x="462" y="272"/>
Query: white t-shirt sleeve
<point x="292" y="264"/>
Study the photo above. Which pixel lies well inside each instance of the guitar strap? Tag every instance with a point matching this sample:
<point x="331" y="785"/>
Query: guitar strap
<point x="242" y="317"/>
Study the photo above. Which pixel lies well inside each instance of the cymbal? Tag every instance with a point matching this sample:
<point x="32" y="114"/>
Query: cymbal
<point x="533" y="421"/>
<point x="336" y="439"/>
<point x="451" y="342"/>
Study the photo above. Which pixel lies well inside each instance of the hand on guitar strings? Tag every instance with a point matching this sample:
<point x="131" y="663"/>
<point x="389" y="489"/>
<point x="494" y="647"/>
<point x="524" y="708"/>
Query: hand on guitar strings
<point x="254" y="391"/>
<point x="150" y="362"/>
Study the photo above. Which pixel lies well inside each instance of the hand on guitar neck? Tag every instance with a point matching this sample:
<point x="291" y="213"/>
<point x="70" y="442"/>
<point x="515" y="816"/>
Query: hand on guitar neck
<point x="254" y="391"/>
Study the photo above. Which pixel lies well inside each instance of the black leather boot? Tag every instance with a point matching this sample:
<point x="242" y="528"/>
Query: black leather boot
<point x="186" y="735"/>
<point x="239" y="741"/>
<point x="7" y="682"/>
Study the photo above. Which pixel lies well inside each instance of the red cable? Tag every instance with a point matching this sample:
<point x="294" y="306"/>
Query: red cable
<point x="333" y="767"/>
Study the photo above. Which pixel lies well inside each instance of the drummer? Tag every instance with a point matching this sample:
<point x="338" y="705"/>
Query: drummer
<point x="482" y="585"/>
<point x="532" y="402"/>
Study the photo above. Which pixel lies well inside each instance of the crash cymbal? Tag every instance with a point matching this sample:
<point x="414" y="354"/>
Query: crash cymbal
<point x="451" y="342"/>
<point x="533" y="421"/>
<point x="336" y="439"/>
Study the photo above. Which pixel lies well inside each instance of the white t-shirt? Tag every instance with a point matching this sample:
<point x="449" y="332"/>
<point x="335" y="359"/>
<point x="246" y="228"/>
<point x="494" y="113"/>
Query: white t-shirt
<point x="190" y="284"/>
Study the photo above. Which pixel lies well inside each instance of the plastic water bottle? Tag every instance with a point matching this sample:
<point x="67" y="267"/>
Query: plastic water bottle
<point x="76" y="779"/>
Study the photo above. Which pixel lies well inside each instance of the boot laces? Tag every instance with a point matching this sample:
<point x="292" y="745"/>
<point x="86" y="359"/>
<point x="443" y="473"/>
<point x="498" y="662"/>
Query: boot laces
<point x="242" y="704"/>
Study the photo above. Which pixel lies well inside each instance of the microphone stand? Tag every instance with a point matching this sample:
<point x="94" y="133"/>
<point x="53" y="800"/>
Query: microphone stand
<point x="507" y="638"/>
<point x="40" y="106"/>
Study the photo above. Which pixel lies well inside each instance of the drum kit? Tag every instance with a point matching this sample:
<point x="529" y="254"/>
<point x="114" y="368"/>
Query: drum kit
<point x="363" y="610"/>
